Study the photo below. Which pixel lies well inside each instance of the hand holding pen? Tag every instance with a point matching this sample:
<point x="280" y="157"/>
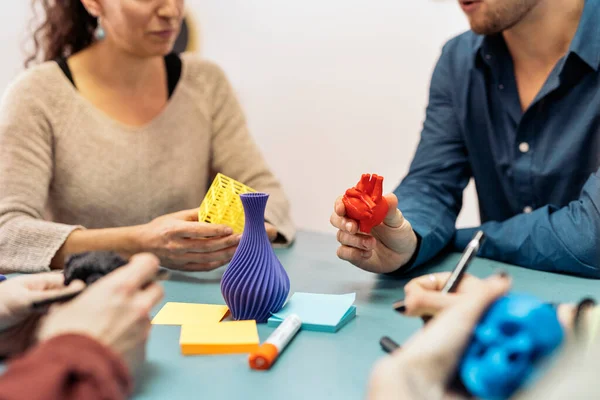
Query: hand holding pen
<point x="426" y="306"/>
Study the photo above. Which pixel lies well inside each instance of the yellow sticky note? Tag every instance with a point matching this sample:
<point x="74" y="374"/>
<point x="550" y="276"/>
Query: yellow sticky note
<point x="189" y="313"/>
<point x="221" y="338"/>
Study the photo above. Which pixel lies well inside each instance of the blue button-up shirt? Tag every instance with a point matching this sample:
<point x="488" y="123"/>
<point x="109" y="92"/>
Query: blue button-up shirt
<point x="536" y="171"/>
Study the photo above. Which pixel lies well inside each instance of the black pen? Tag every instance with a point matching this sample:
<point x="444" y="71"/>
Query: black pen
<point x="162" y="275"/>
<point x="464" y="262"/>
<point x="461" y="267"/>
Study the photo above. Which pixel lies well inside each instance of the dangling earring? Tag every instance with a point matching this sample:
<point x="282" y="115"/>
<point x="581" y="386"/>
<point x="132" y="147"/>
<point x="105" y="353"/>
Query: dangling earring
<point x="99" y="33"/>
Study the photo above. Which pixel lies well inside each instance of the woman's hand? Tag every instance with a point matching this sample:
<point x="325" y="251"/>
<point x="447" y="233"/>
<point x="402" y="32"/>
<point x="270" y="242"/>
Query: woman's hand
<point x="424" y="368"/>
<point x="183" y="243"/>
<point x="423" y="296"/>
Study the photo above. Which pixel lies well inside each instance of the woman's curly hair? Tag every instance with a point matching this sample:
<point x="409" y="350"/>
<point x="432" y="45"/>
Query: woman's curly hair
<point x="65" y="29"/>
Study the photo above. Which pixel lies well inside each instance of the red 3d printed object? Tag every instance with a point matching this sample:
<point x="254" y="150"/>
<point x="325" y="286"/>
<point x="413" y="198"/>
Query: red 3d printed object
<point x="365" y="202"/>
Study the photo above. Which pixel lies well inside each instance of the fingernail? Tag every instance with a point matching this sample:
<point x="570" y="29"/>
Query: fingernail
<point x="400" y="307"/>
<point x="365" y="254"/>
<point x="228" y="231"/>
<point x="348" y="226"/>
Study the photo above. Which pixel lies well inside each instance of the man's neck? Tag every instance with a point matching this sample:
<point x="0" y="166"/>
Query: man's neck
<point x="545" y="34"/>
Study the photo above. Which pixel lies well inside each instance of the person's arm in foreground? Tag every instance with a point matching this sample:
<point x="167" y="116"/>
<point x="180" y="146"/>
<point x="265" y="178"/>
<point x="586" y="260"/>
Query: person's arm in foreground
<point x="92" y="346"/>
<point x="419" y="365"/>
<point x="424" y="368"/>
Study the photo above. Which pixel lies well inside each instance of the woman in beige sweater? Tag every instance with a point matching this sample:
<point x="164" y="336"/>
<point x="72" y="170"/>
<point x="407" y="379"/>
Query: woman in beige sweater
<point x="111" y="143"/>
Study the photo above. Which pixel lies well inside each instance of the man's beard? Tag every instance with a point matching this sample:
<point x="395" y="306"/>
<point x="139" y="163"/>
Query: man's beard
<point x="504" y="15"/>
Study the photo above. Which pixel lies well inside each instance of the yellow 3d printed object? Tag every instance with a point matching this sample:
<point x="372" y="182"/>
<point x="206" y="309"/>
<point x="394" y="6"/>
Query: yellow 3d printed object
<point x="222" y="204"/>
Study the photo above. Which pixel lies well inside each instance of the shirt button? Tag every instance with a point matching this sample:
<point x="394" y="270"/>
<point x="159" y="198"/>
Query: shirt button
<point x="524" y="147"/>
<point x="501" y="86"/>
<point x="488" y="56"/>
<point x="527" y="209"/>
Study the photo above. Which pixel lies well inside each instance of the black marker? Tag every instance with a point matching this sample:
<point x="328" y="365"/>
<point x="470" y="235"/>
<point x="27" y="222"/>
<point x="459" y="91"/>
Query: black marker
<point x="388" y="345"/>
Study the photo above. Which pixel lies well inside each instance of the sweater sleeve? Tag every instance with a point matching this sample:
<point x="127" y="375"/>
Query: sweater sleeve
<point x="66" y="367"/>
<point x="235" y="154"/>
<point x="27" y="242"/>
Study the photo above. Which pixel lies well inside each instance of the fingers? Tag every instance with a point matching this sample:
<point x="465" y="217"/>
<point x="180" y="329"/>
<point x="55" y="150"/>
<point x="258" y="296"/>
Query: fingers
<point x="222" y="256"/>
<point x="362" y="242"/>
<point x="423" y="296"/>
<point x="425" y="303"/>
<point x="339" y="208"/>
<point x="566" y="315"/>
<point x="355" y="247"/>
<point x="471" y="306"/>
<point x="74" y="287"/>
<point x="44" y="281"/>
<point x="353" y="254"/>
<point x="394" y="217"/>
<point x="197" y="230"/>
<point x="141" y="269"/>
<point x="344" y="224"/>
<point x="452" y="329"/>
<point x="187" y="215"/>
<point x="201" y="267"/>
<point x="434" y="282"/>
<point x="206" y="245"/>
<point x="149" y="297"/>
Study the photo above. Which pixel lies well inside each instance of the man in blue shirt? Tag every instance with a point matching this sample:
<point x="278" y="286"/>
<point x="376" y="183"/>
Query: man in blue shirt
<point x="515" y="104"/>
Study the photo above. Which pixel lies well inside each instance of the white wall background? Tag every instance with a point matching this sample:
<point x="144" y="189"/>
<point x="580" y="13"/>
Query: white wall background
<point x="331" y="88"/>
<point x="14" y="20"/>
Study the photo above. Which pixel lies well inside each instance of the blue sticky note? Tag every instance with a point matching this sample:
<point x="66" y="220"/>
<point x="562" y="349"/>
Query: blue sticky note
<point x="318" y="312"/>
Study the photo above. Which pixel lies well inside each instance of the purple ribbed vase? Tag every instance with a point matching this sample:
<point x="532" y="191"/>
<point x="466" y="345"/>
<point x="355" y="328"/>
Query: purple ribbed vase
<point x="255" y="284"/>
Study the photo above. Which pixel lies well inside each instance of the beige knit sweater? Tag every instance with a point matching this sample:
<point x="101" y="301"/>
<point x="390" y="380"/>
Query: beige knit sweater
<point x="64" y="164"/>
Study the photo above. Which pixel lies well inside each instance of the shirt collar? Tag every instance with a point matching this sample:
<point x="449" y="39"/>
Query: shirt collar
<point x="478" y="44"/>
<point x="586" y="43"/>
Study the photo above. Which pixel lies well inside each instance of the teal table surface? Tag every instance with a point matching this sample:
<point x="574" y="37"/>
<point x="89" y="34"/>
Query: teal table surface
<point x="315" y="365"/>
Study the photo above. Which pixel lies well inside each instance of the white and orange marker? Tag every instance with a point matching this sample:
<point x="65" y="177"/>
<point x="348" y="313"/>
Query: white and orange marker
<point x="267" y="353"/>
